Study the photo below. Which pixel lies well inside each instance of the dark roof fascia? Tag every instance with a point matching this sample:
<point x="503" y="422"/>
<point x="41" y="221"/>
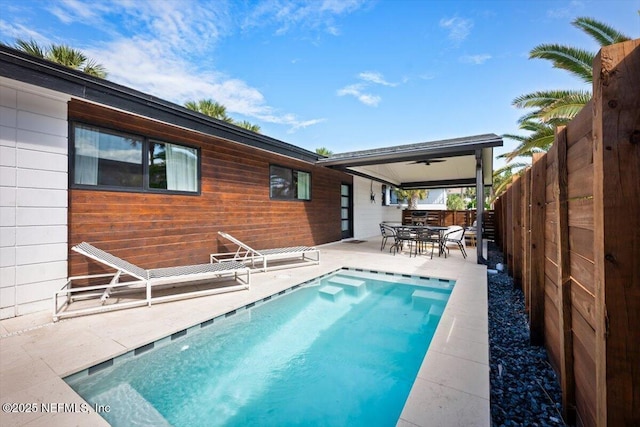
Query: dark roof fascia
<point x="425" y="150"/>
<point x="17" y="65"/>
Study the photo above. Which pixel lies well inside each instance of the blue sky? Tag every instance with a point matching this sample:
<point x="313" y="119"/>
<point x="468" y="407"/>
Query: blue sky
<point x="342" y="74"/>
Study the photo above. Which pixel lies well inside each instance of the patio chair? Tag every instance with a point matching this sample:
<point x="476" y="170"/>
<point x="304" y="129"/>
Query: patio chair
<point x="455" y="235"/>
<point x="402" y="235"/>
<point x="139" y="279"/>
<point x="386" y="231"/>
<point x="425" y="236"/>
<point x="246" y="254"/>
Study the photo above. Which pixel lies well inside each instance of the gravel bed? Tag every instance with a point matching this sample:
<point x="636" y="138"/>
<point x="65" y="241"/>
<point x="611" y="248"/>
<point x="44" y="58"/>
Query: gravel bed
<point x="524" y="388"/>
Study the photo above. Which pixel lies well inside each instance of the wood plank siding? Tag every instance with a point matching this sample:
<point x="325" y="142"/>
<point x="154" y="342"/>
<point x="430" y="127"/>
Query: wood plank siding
<point x="162" y="230"/>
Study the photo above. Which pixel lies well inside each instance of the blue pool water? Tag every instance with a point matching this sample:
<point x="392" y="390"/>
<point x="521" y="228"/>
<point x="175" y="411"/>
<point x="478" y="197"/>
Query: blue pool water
<point x="341" y="350"/>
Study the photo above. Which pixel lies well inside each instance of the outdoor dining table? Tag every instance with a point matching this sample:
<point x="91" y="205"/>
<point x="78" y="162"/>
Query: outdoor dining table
<point x="415" y="228"/>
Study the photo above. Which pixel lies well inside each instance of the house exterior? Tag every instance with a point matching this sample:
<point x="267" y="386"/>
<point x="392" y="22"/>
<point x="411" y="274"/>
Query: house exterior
<point x="83" y="159"/>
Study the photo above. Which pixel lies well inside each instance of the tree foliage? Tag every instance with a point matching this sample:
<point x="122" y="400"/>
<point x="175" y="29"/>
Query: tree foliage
<point x="63" y="55"/>
<point x="214" y="109"/>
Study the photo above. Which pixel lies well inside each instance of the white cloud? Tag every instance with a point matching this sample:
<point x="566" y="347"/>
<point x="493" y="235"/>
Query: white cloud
<point x="374" y="77"/>
<point x="288" y="14"/>
<point x="458" y="28"/>
<point x="475" y="59"/>
<point x="356" y="90"/>
<point x="164" y="48"/>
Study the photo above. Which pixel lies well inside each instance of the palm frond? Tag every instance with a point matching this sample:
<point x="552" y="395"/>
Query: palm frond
<point x="540" y="99"/>
<point x="565" y="109"/>
<point x="94" y="69"/>
<point x="604" y="34"/>
<point x="576" y="61"/>
<point x="30" y="47"/>
<point x="67" y="56"/>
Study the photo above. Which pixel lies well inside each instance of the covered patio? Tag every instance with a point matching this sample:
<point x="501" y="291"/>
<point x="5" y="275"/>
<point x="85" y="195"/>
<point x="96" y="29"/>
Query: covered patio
<point x="452" y="386"/>
<point x="450" y="163"/>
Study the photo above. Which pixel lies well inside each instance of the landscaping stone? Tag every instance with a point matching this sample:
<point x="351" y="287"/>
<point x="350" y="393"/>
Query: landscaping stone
<point x="524" y="388"/>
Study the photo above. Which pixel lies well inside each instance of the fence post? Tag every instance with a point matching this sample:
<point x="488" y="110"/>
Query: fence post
<point x="567" y="377"/>
<point x="616" y="160"/>
<point x="538" y="194"/>
<point x="516" y="230"/>
<point x="526" y="238"/>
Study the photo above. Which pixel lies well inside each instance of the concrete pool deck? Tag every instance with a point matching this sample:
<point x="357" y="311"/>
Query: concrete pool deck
<point x="452" y="387"/>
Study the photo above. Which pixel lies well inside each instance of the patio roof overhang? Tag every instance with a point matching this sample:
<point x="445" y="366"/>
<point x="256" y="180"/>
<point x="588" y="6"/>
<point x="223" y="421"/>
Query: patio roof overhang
<point x="436" y="164"/>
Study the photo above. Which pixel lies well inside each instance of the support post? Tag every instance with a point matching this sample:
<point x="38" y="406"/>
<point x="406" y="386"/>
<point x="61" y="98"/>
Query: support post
<point x="479" y="205"/>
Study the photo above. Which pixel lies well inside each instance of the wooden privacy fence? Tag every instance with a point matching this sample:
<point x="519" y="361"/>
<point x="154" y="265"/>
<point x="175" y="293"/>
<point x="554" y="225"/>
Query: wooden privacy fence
<point x="570" y="231"/>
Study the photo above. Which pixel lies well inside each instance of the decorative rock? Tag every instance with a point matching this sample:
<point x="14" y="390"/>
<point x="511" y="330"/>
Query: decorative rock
<point x="524" y="387"/>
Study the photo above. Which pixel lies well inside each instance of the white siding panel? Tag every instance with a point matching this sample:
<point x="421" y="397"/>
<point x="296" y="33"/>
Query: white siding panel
<point x="7" y="196"/>
<point x="7" y="156"/>
<point x="7" y="216"/>
<point x="26" y="255"/>
<point x="30" y="197"/>
<point x="42" y="142"/>
<point x="8" y="136"/>
<point x="42" y="291"/>
<point x="7" y="277"/>
<point x="33" y="188"/>
<point x="42" y="160"/>
<point x="8" y="117"/>
<point x="7" y="236"/>
<point x="35" y="235"/>
<point x="35" y="273"/>
<point x="7" y="256"/>
<point x="43" y="124"/>
<point x="33" y="178"/>
<point x="7" y="176"/>
<point x="8" y="97"/>
<point x="7" y="296"/>
<point x="41" y="216"/>
<point x="38" y="104"/>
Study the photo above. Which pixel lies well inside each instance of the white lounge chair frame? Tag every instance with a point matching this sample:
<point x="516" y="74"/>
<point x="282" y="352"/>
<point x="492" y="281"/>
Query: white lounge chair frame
<point x="142" y="279"/>
<point x="248" y="255"/>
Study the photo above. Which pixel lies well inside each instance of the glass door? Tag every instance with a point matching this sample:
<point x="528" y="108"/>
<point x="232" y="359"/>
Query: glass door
<point x="346" y="211"/>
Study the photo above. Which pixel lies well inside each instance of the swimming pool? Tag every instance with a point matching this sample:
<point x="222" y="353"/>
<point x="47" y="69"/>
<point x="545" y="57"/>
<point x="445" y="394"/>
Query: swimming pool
<point x="342" y="349"/>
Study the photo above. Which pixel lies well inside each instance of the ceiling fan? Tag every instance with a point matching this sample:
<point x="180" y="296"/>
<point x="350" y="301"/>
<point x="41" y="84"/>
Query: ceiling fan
<point x="427" y="162"/>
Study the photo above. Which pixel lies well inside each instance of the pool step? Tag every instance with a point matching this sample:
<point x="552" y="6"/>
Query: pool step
<point x="351" y="286"/>
<point x="422" y="298"/>
<point x="435" y="313"/>
<point x="330" y="292"/>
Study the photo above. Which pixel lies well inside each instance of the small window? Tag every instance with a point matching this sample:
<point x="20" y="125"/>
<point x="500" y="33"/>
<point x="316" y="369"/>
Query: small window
<point x="173" y="167"/>
<point x="289" y="184"/>
<point x="118" y="161"/>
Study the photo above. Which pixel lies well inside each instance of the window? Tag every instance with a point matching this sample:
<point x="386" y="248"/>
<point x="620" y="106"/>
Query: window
<point x="289" y="184"/>
<point x="114" y="160"/>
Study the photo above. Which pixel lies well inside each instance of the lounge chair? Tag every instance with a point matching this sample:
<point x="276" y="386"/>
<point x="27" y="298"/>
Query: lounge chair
<point x="248" y="255"/>
<point x="142" y="279"/>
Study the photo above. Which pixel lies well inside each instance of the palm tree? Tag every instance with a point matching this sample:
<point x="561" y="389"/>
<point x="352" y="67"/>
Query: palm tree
<point x="557" y="107"/>
<point x="210" y="108"/>
<point x="412" y="197"/>
<point x="218" y="111"/>
<point x="249" y="126"/>
<point x="63" y="55"/>
<point x="324" y="151"/>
